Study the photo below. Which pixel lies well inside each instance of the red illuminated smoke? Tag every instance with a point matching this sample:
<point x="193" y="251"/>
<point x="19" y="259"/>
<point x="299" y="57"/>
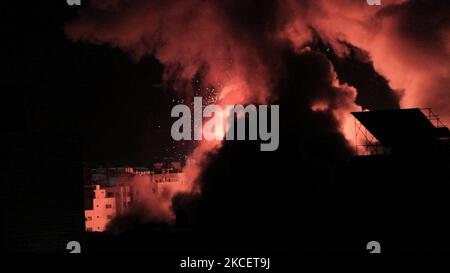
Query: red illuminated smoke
<point x="235" y="46"/>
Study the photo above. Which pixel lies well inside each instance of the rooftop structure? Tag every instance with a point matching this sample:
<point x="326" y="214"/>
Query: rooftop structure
<point x="400" y="131"/>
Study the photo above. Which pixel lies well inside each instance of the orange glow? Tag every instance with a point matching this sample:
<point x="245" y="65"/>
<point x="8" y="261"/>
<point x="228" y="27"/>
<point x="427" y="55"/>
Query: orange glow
<point x="196" y="37"/>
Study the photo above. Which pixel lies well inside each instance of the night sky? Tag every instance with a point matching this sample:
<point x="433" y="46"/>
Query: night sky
<point x="117" y="106"/>
<point x="83" y="72"/>
<point x="109" y="73"/>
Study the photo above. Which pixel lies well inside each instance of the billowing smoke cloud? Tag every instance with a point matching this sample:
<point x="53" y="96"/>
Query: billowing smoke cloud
<point x="150" y="204"/>
<point x="303" y="55"/>
<point x="188" y="37"/>
<point x="408" y="42"/>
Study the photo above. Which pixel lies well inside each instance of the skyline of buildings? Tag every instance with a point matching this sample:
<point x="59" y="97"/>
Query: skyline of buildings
<point x="110" y="192"/>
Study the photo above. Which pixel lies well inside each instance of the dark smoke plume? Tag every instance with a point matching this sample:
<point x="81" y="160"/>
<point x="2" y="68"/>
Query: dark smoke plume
<point x="319" y="60"/>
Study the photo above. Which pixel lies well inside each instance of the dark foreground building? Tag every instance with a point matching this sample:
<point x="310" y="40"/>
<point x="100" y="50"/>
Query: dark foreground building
<point x="399" y="192"/>
<point x="282" y="204"/>
<point x="277" y="204"/>
<point x="42" y="196"/>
